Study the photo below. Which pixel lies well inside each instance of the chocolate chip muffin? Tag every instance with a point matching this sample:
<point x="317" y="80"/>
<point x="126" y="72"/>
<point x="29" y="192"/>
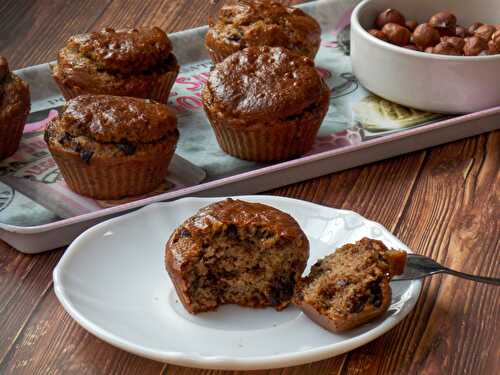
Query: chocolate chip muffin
<point x="14" y="109"/>
<point x="110" y="147"/>
<point x="128" y="62"/>
<point x="236" y="252"/>
<point x="265" y="103"/>
<point x="240" y="24"/>
<point x="351" y="286"/>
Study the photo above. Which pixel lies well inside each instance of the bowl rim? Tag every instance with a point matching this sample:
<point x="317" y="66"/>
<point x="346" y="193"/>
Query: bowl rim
<point x="355" y="25"/>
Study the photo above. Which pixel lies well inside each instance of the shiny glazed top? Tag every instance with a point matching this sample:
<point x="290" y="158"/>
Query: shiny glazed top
<point x="263" y="83"/>
<point x="186" y="241"/>
<point x="241" y="24"/>
<point x="123" y="51"/>
<point x="114" y="119"/>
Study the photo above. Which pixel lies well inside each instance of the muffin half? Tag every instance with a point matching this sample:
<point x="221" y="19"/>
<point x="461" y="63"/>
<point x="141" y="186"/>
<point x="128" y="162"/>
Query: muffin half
<point x="351" y="286"/>
<point x="110" y="147"/>
<point x="14" y="109"/>
<point x="265" y="103"/>
<point x="128" y="62"/>
<point x="236" y="252"/>
<point x="241" y="24"/>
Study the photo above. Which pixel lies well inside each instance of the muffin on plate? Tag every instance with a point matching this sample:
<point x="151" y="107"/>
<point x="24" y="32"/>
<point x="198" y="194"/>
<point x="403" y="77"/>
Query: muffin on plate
<point x="265" y="103"/>
<point x="110" y="147"/>
<point x="128" y="62"/>
<point x="240" y="24"/>
<point x="14" y="109"/>
<point x="351" y="286"/>
<point x="236" y="252"/>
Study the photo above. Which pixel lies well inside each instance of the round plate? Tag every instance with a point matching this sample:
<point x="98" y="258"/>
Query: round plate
<point x="112" y="281"/>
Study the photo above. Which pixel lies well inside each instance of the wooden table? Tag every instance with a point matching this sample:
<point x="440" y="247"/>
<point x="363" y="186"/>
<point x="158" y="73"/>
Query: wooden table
<point x="443" y="202"/>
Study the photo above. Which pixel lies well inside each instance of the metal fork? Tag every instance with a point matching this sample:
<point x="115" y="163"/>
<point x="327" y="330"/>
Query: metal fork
<point x="419" y="266"/>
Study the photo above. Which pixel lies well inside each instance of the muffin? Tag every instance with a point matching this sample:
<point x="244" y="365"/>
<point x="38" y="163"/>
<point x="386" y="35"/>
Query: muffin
<point x="236" y="252"/>
<point x="110" y="147"/>
<point x="130" y="62"/>
<point x="351" y="286"/>
<point x="241" y="24"/>
<point x="14" y="109"/>
<point x="265" y="103"/>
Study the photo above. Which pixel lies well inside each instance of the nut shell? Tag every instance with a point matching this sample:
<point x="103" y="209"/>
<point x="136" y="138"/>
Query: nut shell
<point x="474" y="46"/>
<point x="485" y="31"/>
<point x="472" y="28"/>
<point x="456" y="41"/>
<point x="494" y="43"/>
<point x="425" y="36"/>
<point x="411" y="25"/>
<point x="379" y="34"/>
<point x="446" y="48"/>
<point x="389" y="16"/>
<point x="397" y="34"/>
<point x="444" y="22"/>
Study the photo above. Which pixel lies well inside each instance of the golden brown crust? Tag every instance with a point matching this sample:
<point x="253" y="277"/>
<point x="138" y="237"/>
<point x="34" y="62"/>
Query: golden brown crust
<point x="108" y="147"/>
<point x="262" y="23"/>
<point x="14" y="109"/>
<point x="351" y="286"/>
<point x="128" y="62"/>
<point x="190" y="242"/>
<point x="263" y="83"/>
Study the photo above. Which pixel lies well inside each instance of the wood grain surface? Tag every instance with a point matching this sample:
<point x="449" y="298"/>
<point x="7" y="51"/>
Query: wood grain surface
<point x="443" y="202"/>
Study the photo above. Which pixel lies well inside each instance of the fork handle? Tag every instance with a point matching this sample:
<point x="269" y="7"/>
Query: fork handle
<point x="481" y="279"/>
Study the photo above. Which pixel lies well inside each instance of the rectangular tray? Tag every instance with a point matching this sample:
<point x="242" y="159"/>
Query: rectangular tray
<point x="356" y="131"/>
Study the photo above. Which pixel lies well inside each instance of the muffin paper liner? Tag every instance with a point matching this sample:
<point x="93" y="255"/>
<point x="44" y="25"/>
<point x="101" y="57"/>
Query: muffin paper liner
<point x="268" y="142"/>
<point x="216" y="57"/>
<point x="160" y="92"/>
<point x="10" y="137"/>
<point x="112" y="178"/>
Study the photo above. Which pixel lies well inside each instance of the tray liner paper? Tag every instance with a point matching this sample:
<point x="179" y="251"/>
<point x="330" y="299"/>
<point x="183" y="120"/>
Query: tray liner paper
<point x="354" y="116"/>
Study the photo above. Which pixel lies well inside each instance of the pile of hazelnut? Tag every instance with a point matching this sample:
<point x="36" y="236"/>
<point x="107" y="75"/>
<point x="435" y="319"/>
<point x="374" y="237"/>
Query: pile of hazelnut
<point x="440" y="34"/>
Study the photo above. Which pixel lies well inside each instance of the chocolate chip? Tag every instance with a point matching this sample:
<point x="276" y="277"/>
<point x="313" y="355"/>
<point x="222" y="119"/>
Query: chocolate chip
<point x="232" y="231"/>
<point x="86" y="155"/>
<point x="65" y="137"/>
<point x="184" y="233"/>
<point x="359" y="304"/>
<point x="127" y="148"/>
<point x="376" y="292"/>
<point x="281" y="290"/>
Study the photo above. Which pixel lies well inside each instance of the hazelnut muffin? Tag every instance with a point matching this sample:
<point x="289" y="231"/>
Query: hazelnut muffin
<point x="14" y="109"/>
<point x="110" y="147"/>
<point x="265" y="103"/>
<point x="236" y="252"/>
<point x="241" y="24"/>
<point x="128" y="62"/>
<point x="351" y="286"/>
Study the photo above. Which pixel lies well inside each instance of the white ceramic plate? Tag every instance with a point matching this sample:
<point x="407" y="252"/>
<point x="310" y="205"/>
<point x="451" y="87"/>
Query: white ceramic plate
<point x="113" y="282"/>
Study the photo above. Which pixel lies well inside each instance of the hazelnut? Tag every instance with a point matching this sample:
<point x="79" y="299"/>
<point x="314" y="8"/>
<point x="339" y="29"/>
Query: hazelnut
<point x="472" y="28"/>
<point x="425" y="36"/>
<point x="389" y="16"/>
<point x="429" y="50"/>
<point x="397" y="34"/>
<point x="411" y="25"/>
<point x="485" y="31"/>
<point x="378" y="34"/>
<point x="474" y="46"/>
<point x="446" y="48"/>
<point x="494" y="43"/>
<point x="4" y="70"/>
<point x="455" y="40"/>
<point x="444" y="22"/>
<point x="461" y="32"/>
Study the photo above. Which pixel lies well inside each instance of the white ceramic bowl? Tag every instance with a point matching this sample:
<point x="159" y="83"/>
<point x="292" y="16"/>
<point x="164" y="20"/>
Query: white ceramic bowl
<point x="435" y="83"/>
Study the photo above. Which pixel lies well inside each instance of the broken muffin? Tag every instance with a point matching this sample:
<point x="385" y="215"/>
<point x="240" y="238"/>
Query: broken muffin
<point x="351" y="286"/>
<point x="236" y="252"/>
<point x="110" y="147"/>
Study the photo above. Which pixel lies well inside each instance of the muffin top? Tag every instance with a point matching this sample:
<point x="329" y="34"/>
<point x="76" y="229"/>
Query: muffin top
<point x="14" y="94"/>
<point x="230" y="215"/>
<point x="264" y="23"/>
<point x="113" y="119"/>
<point x="263" y="82"/>
<point x="124" y="51"/>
